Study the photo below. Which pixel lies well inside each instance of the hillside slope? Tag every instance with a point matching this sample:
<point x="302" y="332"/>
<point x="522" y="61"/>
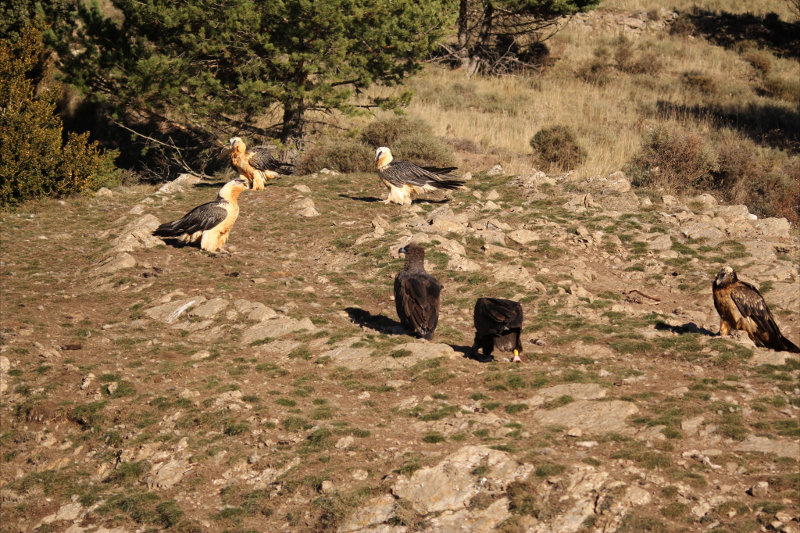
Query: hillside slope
<point x="148" y="386"/>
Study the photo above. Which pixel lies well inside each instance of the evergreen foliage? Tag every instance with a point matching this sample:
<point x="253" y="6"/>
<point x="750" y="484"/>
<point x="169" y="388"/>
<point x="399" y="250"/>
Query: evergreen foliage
<point x="221" y="65"/>
<point x="495" y="36"/>
<point x="35" y="160"/>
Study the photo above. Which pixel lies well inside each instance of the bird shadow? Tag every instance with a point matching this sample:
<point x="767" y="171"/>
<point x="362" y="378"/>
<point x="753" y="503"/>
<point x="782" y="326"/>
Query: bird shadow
<point x="379" y="323"/>
<point x="467" y="352"/>
<point x="368" y="199"/>
<point x="209" y="184"/>
<point x="689" y="327"/>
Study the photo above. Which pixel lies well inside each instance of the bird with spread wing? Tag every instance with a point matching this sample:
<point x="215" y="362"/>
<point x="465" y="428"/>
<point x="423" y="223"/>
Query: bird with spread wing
<point x="741" y="306"/>
<point x="209" y="223"/>
<point x="256" y="164"/>
<point x="404" y="178"/>
<point x="498" y="324"/>
<point x="417" y="294"/>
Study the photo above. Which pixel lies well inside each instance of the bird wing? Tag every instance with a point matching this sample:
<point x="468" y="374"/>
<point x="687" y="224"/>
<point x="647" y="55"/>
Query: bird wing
<point x="417" y="300"/>
<point x="753" y="308"/>
<point x="201" y="218"/>
<point x="493" y="316"/>
<point x="261" y="159"/>
<point x="400" y="173"/>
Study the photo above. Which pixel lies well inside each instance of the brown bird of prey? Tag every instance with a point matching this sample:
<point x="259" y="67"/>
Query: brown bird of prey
<point x="403" y="178"/>
<point x="209" y="223"/>
<point x="741" y="306"/>
<point x="416" y="294"/>
<point x="256" y="164"/>
<point x="498" y="324"/>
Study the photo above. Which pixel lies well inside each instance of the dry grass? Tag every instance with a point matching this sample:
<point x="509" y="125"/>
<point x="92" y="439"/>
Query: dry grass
<point x="756" y="7"/>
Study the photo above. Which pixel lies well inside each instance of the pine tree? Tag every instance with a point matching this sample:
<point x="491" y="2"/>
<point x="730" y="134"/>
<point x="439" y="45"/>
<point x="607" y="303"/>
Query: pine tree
<point x="492" y="33"/>
<point x="219" y="66"/>
<point x="35" y="159"/>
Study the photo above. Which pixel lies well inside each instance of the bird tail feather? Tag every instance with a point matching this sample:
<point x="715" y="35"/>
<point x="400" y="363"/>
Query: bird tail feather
<point x="169" y="229"/>
<point x="448" y="184"/>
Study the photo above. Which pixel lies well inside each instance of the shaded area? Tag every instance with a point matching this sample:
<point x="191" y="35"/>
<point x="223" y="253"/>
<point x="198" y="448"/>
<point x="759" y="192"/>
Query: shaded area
<point x="689" y="327"/>
<point x="767" y="124"/>
<point x="369" y="199"/>
<point x="728" y="29"/>
<point x="379" y="323"/>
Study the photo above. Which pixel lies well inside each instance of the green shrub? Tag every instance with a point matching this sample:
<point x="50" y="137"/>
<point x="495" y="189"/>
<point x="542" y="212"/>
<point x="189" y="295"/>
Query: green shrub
<point x="556" y="146"/>
<point x="673" y="160"/>
<point x="342" y="155"/>
<point x="409" y="139"/>
<point x="423" y="149"/>
<point x="34" y="159"/>
<point x="596" y="71"/>
<point x="385" y="132"/>
<point x="787" y="89"/>
<point x="700" y="81"/>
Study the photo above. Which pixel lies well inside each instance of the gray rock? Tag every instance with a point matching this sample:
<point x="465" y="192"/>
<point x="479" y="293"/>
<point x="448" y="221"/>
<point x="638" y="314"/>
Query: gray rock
<point x="277" y="327"/>
<point x="450" y="485"/>
<point x="375" y="511"/>
<point x="209" y="309"/>
<point x="179" y="183"/>
<point x="523" y="236"/>
<point x="116" y="263"/>
<point x="463" y="264"/>
<point x="701" y="230"/>
<point x="168" y="474"/>
<point x="171" y="311"/>
<point x="618" y="182"/>
<point x="103" y="192"/>
<point x="773" y="227"/>
<point x="474" y="521"/>
<point x="733" y="212"/>
<point x="781" y="448"/>
<point x="592" y="418"/>
<point x="659" y="242"/>
<point x="578" y="391"/>
<point x="491" y="236"/>
<point x="137" y="235"/>
<point x="495" y="171"/>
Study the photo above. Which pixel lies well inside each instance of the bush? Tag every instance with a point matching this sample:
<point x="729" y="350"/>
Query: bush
<point x="595" y="71"/>
<point x="673" y="160"/>
<point x="385" y="132"/>
<point x="556" y="146"/>
<point x="409" y="139"/>
<point x="34" y="159"/>
<point x="342" y="155"/>
<point x="423" y="149"/>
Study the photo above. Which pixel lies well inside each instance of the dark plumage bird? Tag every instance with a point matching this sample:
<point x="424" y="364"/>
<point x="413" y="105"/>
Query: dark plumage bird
<point x="404" y="178"/>
<point x="417" y="294"/>
<point x="498" y="324"/>
<point x="256" y="164"/>
<point x="741" y="306"/>
<point x="209" y="223"/>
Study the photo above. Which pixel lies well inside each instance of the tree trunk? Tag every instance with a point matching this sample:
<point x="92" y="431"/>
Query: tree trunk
<point x="463" y="24"/>
<point x="292" y="130"/>
<point x="486" y="25"/>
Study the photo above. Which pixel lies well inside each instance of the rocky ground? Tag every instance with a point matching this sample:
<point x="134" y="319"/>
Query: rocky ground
<point x="147" y="386"/>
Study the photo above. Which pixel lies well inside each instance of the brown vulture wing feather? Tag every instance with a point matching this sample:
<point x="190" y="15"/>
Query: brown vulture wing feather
<point x="417" y="299"/>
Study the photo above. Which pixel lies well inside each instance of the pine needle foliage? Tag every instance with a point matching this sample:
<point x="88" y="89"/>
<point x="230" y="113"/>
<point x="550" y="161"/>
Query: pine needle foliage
<point x="35" y="158"/>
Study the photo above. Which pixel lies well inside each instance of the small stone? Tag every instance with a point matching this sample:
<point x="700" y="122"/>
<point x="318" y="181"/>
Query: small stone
<point x="344" y="442"/>
<point x="495" y="171"/>
<point x="759" y="490"/>
<point x="104" y="192"/>
<point x="326" y="487"/>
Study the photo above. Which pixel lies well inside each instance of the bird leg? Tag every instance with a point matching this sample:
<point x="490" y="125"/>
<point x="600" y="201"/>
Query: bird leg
<point x="516" y="358"/>
<point x="724" y="328"/>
